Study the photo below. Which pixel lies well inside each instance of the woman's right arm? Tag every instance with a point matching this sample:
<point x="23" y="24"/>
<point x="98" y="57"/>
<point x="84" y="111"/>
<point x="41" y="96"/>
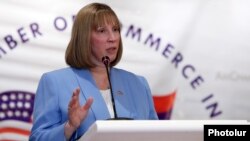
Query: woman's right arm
<point x="47" y="124"/>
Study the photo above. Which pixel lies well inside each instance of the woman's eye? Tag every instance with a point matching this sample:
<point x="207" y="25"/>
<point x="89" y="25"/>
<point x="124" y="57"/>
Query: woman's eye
<point x="101" y="30"/>
<point x="116" y="29"/>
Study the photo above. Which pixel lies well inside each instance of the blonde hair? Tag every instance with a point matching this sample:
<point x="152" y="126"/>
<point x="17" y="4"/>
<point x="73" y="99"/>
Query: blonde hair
<point x="78" y="53"/>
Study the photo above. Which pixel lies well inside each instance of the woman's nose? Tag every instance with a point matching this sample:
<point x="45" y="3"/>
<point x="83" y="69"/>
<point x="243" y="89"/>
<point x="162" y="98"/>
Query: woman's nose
<point x="112" y="36"/>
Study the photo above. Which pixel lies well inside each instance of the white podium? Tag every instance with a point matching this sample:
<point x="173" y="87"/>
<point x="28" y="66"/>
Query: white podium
<point x="150" y="130"/>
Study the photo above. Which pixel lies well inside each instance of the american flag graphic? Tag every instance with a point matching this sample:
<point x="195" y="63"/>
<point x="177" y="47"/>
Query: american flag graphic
<point x="16" y="109"/>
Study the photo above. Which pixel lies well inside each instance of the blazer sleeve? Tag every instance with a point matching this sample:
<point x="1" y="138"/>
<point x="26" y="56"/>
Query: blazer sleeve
<point x="152" y="112"/>
<point x="47" y="124"/>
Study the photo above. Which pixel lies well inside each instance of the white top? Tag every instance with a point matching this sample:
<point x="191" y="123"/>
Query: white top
<point x="106" y="94"/>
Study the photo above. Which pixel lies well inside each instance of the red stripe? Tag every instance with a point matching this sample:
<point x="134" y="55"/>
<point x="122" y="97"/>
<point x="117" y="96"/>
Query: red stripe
<point x="164" y="103"/>
<point x="15" y="130"/>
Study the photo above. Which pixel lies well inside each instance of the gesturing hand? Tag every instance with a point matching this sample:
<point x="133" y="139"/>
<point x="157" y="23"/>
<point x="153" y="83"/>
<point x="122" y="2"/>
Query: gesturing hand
<point x="76" y="113"/>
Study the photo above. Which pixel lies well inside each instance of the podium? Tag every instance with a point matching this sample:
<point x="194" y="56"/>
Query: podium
<point x="150" y="130"/>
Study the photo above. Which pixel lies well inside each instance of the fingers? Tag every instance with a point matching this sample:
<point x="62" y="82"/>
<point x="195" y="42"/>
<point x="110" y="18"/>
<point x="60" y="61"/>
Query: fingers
<point x="75" y="98"/>
<point x="76" y="92"/>
<point x="74" y="103"/>
<point x="88" y="104"/>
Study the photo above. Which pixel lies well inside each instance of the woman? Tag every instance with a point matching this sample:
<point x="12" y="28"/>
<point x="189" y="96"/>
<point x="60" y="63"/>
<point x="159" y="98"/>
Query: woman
<point x="59" y="115"/>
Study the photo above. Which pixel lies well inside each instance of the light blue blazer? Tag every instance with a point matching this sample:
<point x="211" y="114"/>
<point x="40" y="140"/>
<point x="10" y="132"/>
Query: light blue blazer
<point x="132" y="96"/>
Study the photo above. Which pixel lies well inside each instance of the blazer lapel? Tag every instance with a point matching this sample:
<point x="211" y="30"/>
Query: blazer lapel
<point x="122" y="99"/>
<point x="89" y="89"/>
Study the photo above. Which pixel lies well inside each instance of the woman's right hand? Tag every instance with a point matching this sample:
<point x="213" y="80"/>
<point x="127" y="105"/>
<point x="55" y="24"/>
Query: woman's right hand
<point x="76" y="113"/>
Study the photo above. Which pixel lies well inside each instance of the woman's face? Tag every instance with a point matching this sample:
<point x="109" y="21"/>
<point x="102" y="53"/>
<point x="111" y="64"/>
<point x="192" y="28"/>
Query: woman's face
<point x="105" y="41"/>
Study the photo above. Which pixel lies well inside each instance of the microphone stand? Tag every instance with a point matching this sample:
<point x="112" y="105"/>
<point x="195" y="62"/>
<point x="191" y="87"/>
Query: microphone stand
<point x="106" y="60"/>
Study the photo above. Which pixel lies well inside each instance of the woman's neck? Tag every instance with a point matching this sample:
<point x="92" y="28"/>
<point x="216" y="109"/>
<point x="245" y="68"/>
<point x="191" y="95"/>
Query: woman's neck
<point x="100" y="76"/>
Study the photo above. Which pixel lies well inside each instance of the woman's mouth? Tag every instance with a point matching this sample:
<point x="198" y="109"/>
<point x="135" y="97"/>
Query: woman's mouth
<point x="111" y="50"/>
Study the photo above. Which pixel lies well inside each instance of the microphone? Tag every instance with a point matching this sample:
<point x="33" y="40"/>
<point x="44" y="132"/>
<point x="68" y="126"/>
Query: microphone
<point x="106" y="62"/>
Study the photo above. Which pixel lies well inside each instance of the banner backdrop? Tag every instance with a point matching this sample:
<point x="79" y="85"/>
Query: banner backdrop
<point x="194" y="54"/>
